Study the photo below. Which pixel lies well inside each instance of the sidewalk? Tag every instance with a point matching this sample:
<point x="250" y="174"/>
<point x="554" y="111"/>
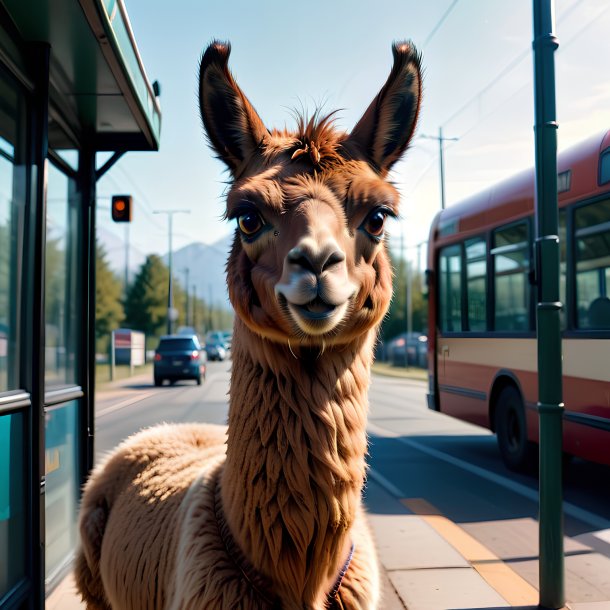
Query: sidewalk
<point x="432" y="563"/>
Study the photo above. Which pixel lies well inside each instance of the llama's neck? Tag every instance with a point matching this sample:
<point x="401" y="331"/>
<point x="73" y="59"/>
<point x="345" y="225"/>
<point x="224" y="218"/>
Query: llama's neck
<point x="296" y="459"/>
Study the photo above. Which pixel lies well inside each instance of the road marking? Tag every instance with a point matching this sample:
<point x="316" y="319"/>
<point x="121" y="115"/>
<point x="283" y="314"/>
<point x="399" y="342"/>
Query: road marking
<point x="121" y="405"/>
<point x="385" y="483"/>
<point x="138" y="398"/>
<point x="512" y="587"/>
<point x="585" y="516"/>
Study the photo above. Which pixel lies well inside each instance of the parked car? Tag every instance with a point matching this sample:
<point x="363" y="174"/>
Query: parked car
<point x="228" y="338"/>
<point x="408" y="349"/>
<point x="179" y="357"/>
<point x="217" y="345"/>
<point x="216" y="349"/>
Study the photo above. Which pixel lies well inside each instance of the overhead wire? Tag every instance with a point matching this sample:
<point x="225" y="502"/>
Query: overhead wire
<point x="511" y="65"/>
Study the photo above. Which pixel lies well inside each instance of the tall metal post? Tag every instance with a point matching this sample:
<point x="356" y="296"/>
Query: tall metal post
<point x="170" y="298"/>
<point x="187" y="317"/>
<point x="170" y="295"/>
<point x="442" y="166"/>
<point x="126" y="280"/>
<point x="550" y="405"/>
<point x="441" y="157"/>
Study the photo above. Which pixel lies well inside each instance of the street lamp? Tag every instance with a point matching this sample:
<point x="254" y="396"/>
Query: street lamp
<point x="172" y="313"/>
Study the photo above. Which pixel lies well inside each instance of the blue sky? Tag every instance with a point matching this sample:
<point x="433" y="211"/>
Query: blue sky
<point x="478" y="87"/>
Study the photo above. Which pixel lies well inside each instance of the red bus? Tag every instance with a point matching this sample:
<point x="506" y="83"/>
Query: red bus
<point x="482" y="352"/>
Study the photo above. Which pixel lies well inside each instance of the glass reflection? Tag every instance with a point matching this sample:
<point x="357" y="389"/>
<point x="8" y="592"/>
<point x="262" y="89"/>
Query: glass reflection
<point x="60" y="282"/>
<point x="62" y="476"/>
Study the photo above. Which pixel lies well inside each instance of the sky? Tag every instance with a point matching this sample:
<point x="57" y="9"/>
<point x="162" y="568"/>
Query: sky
<point x="478" y="87"/>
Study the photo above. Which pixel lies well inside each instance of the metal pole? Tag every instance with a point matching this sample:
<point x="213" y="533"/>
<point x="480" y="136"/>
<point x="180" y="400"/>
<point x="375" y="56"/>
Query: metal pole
<point x="170" y="300"/>
<point x="186" y="308"/>
<point x="210" y="307"/>
<point x="550" y="405"/>
<point x="112" y="356"/>
<point x="170" y="296"/>
<point x="442" y="166"/>
<point x="194" y="302"/>
<point x="126" y="258"/>
<point x="441" y="156"/>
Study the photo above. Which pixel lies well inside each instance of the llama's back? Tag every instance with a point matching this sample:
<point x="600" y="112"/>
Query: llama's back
<point x="130" y="512"/>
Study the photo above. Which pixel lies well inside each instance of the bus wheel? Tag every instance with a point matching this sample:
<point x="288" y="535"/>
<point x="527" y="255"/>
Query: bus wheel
<point x="511" y="429"/>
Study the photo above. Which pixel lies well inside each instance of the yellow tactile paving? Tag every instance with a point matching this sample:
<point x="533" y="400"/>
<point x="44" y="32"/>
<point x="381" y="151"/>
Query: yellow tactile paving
<point x="512" y="587"/>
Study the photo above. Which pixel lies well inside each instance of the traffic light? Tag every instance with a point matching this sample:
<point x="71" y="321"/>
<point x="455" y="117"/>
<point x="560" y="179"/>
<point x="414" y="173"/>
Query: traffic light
<point x="121" y="208"/>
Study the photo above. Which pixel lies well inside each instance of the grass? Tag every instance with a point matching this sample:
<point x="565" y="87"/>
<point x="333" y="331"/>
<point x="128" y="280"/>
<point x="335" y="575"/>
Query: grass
<point x="102" y="372"/>
<point x="383" y="368"/>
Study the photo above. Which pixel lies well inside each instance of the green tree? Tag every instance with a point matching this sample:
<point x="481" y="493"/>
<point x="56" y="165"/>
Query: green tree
<point x="396" y="319"/>
<point x="146" y="304"/>
<point x="109" y="312"/>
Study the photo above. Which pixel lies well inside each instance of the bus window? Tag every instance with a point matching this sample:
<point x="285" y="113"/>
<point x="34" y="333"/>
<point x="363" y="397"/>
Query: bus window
<point x="592" y="226"/>
<point x="450" y="289"/>
<point x="510" y="268"/>
<point x="563" y="265"/>
<point x="476" y="284"/>
<point x="604" y="167"/>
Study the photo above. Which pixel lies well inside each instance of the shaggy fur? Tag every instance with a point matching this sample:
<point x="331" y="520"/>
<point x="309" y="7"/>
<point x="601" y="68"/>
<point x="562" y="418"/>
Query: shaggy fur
<point x="172" y="521"/>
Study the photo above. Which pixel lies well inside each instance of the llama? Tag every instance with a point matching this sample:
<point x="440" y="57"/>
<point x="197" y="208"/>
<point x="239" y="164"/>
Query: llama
<point x="267" y="513"/>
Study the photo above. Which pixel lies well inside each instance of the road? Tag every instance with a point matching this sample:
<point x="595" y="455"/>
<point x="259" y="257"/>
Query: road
<point x="421" y="462"/>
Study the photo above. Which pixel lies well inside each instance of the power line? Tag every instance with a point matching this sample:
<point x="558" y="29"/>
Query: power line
<point x="507" y="69"/>
<point x="439" y="23"/>
<point x="518" y="59"/>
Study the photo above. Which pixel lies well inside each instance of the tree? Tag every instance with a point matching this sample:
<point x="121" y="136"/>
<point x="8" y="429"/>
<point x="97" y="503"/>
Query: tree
<point x="395" y="322"/>
<point x="109" y="312"/>
<point x="146" y="303"/>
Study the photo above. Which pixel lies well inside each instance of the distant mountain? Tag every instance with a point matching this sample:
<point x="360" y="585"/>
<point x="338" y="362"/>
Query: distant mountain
<point x="206" y="264"/>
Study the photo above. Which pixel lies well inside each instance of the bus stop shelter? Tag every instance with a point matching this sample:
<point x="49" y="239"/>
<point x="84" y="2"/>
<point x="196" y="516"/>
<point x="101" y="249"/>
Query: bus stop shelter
<point x="72" y="84"/>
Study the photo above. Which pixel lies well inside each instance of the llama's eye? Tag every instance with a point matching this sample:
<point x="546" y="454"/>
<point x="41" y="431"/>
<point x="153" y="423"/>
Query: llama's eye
<point x="249" y="223"/>
<point x="375" y="222"/>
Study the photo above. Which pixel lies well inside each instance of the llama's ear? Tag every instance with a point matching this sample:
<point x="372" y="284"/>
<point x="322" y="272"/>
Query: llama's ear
<point x="233" y="127"/>
<point x="385" y="129"/>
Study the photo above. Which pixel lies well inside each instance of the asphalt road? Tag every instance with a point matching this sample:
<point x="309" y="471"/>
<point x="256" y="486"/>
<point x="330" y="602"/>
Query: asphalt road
<point x="419" y="461"/>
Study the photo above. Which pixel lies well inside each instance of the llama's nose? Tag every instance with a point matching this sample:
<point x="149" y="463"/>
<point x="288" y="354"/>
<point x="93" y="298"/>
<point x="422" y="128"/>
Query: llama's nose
<point x="316" y="260"/>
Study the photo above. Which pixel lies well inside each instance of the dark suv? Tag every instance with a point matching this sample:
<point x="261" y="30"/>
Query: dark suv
<point x="179" y="357"/>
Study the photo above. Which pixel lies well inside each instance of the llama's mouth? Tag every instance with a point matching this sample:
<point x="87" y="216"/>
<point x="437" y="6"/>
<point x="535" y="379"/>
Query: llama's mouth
<point x="318" y="309"/>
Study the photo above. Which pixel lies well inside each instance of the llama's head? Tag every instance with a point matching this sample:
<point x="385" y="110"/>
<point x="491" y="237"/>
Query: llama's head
<point x="309" y="259"/>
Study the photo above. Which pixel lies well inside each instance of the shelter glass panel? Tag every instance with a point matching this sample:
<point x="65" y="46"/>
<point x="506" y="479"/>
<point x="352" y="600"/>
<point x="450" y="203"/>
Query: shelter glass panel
<point x="61" y="276"/>
<point x="592" y="224"/>
<point x="12" y="501"/>
<point x="450" y="289"/>
<point x="12" y="201"/>
<point x="62" y="480"/>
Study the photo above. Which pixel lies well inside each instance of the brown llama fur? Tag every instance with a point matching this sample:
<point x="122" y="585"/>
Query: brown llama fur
<point x="265" y="513"/>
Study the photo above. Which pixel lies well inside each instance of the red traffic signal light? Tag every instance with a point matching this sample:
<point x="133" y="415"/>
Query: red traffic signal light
<point x="121" y="208"/>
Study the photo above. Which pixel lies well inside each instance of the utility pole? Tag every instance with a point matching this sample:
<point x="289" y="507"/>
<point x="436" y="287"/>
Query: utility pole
<point x="194" y="302"/>
<point x="127" y="225"/>
<point x="441" y="157"/>
<point x="171" y="312"/>
<point x="548" y="327"/>
<point x="210" y="307"/>
<point x="186" y="290"/>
